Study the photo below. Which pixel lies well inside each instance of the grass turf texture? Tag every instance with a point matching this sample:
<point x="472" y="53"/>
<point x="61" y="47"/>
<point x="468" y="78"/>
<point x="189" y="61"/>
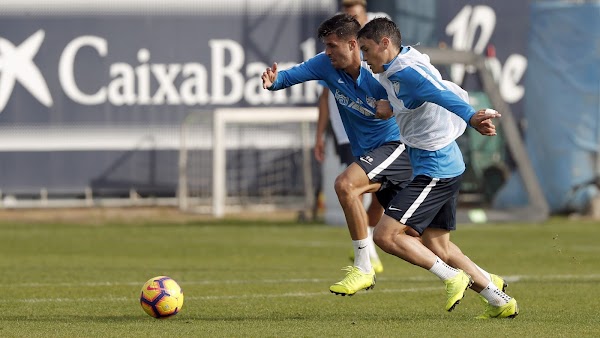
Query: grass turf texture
<point x="271" y="279"/>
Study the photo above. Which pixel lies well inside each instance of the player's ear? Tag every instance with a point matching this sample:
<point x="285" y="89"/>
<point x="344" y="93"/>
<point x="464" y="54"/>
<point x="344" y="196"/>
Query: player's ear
<point x="353" y="44"/>
<point x="385" y="42"/>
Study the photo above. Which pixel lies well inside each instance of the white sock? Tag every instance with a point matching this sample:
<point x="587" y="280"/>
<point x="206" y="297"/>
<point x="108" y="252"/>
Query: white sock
<point x="361" y="254"/>
<point x="443" y="270"/>
<point x="372" y="250"/>
<point x="485" y="273"/>
<point x="494" y="296"/>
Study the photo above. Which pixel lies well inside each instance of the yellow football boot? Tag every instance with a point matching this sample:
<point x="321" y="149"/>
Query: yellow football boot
<point x="354" y="281"/>
<point x="508" y="310"/>
<point x="455" y="289"/>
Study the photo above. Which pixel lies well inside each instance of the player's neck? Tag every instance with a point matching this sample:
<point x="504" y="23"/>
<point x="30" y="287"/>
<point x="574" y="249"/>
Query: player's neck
<point x="393" y="54"/>
<point x="353" y="70"/>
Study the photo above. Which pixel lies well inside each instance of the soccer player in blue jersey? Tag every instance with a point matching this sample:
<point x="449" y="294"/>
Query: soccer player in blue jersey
<point x="381" y="165"/>
<point x="329" y="115"/>
<point x="431" y="114"/>
<point x="374" y="139"/>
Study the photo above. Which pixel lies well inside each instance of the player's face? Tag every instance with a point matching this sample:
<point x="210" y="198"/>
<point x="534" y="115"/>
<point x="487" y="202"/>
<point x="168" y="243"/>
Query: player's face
<point x="339" y="51"/>
<point x="373" y="54"/>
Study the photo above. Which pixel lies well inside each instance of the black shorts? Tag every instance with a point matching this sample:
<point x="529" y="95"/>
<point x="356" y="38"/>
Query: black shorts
<point x="344" y="150"/>
<point x="426" y="202"/>
<point x="388" y="165"/>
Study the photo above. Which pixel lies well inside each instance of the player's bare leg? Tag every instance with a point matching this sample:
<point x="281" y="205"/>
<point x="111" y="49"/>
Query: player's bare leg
<point x="438" y="240"/>
<point x="374" y="212"/>
<point x="350" y="185"/>
<point x="390" y="235"/>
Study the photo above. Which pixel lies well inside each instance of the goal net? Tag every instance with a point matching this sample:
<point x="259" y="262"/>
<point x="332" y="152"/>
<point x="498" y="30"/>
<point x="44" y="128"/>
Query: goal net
<point x="239" y="159"/>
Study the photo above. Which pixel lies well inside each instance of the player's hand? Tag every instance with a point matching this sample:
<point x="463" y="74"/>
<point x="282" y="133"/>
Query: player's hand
<point x="269" y="76"/>
<point x="383" y="110"/>
<point x="320" y="150"/>
<point x="482" y="121"/>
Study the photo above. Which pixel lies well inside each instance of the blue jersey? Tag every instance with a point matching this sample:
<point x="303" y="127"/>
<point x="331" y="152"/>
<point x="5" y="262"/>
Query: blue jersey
<point x="355" y="101"/>
<point x="431" y="113"/>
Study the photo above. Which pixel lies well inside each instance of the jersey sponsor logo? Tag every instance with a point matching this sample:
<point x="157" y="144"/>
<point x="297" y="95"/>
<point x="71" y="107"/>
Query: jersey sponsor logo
<point x="341" y="98"/>
<point x="371" y="101"/>
<point x="361" y="109"/>
<point x="16" y="65"/>
<point x="358" y="105"/>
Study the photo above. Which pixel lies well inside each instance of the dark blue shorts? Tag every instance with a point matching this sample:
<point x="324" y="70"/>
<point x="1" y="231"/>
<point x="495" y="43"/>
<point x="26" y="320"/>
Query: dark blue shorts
<point x="344" y="150"/>
<point x="388" y="165"/>
<point x="426" y="202"/>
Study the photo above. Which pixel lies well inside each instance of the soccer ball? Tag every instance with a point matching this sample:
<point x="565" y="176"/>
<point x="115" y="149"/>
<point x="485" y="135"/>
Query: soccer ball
<point x="161" y="297"/>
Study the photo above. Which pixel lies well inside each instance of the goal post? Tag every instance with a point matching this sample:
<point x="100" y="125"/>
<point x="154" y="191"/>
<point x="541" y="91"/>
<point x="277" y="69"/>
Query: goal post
<point x="274" y="116"/>
<point x="285" y="134"/>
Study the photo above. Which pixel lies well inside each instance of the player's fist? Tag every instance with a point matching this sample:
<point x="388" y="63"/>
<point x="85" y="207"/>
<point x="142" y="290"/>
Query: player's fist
<point x="482" y="121"/>
<point x="269" y="76"/>
<point x="383" y="110"/>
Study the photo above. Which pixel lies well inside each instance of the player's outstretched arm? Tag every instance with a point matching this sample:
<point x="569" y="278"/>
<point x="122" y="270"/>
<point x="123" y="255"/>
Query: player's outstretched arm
<point x="482" y="121"/>
<point x="269" y="75"/>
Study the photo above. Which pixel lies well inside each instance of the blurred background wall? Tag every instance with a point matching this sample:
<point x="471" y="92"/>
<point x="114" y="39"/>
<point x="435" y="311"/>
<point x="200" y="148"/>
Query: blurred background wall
<point x="93" y="94"/>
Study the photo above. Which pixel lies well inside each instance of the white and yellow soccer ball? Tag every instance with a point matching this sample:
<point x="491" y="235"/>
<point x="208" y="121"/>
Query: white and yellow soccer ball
<point x="161" y="297"/>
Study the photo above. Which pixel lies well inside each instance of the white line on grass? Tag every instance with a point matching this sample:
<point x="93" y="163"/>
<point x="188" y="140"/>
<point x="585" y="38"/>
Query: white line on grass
<point x="545" y="278"/>
<point x="516" y="278"/>
<point x="513" y="278"/>
<point x="203" y="282"/>
<point x="224" y="297"/>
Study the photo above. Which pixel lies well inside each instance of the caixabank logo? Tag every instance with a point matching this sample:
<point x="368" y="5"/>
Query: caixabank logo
<point x="16" y="65"/>
<point x="227" y="80"/>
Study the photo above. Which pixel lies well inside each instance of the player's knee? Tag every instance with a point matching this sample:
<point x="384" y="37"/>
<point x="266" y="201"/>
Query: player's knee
<point x="381" y="241"/>
<point x="384" y="239"/>
<point x="343" y="186"/>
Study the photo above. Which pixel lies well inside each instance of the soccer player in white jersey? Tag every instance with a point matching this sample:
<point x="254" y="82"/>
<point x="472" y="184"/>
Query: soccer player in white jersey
<point x="381" y="164"/>
<point x="328" y="112"/>
<point x="431" y="116"/>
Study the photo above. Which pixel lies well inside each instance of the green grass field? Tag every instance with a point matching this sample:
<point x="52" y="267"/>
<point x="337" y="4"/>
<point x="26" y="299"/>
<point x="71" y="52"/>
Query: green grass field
<point x="271" y="279"/>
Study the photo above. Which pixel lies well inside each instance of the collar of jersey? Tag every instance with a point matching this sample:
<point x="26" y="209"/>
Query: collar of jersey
<point x="403" y="50"/>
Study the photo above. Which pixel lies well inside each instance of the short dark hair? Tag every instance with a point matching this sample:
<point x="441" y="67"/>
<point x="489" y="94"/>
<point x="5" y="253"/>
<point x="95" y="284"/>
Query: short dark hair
<point x="377" y="28"/>
<point x="343" y="25"/>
